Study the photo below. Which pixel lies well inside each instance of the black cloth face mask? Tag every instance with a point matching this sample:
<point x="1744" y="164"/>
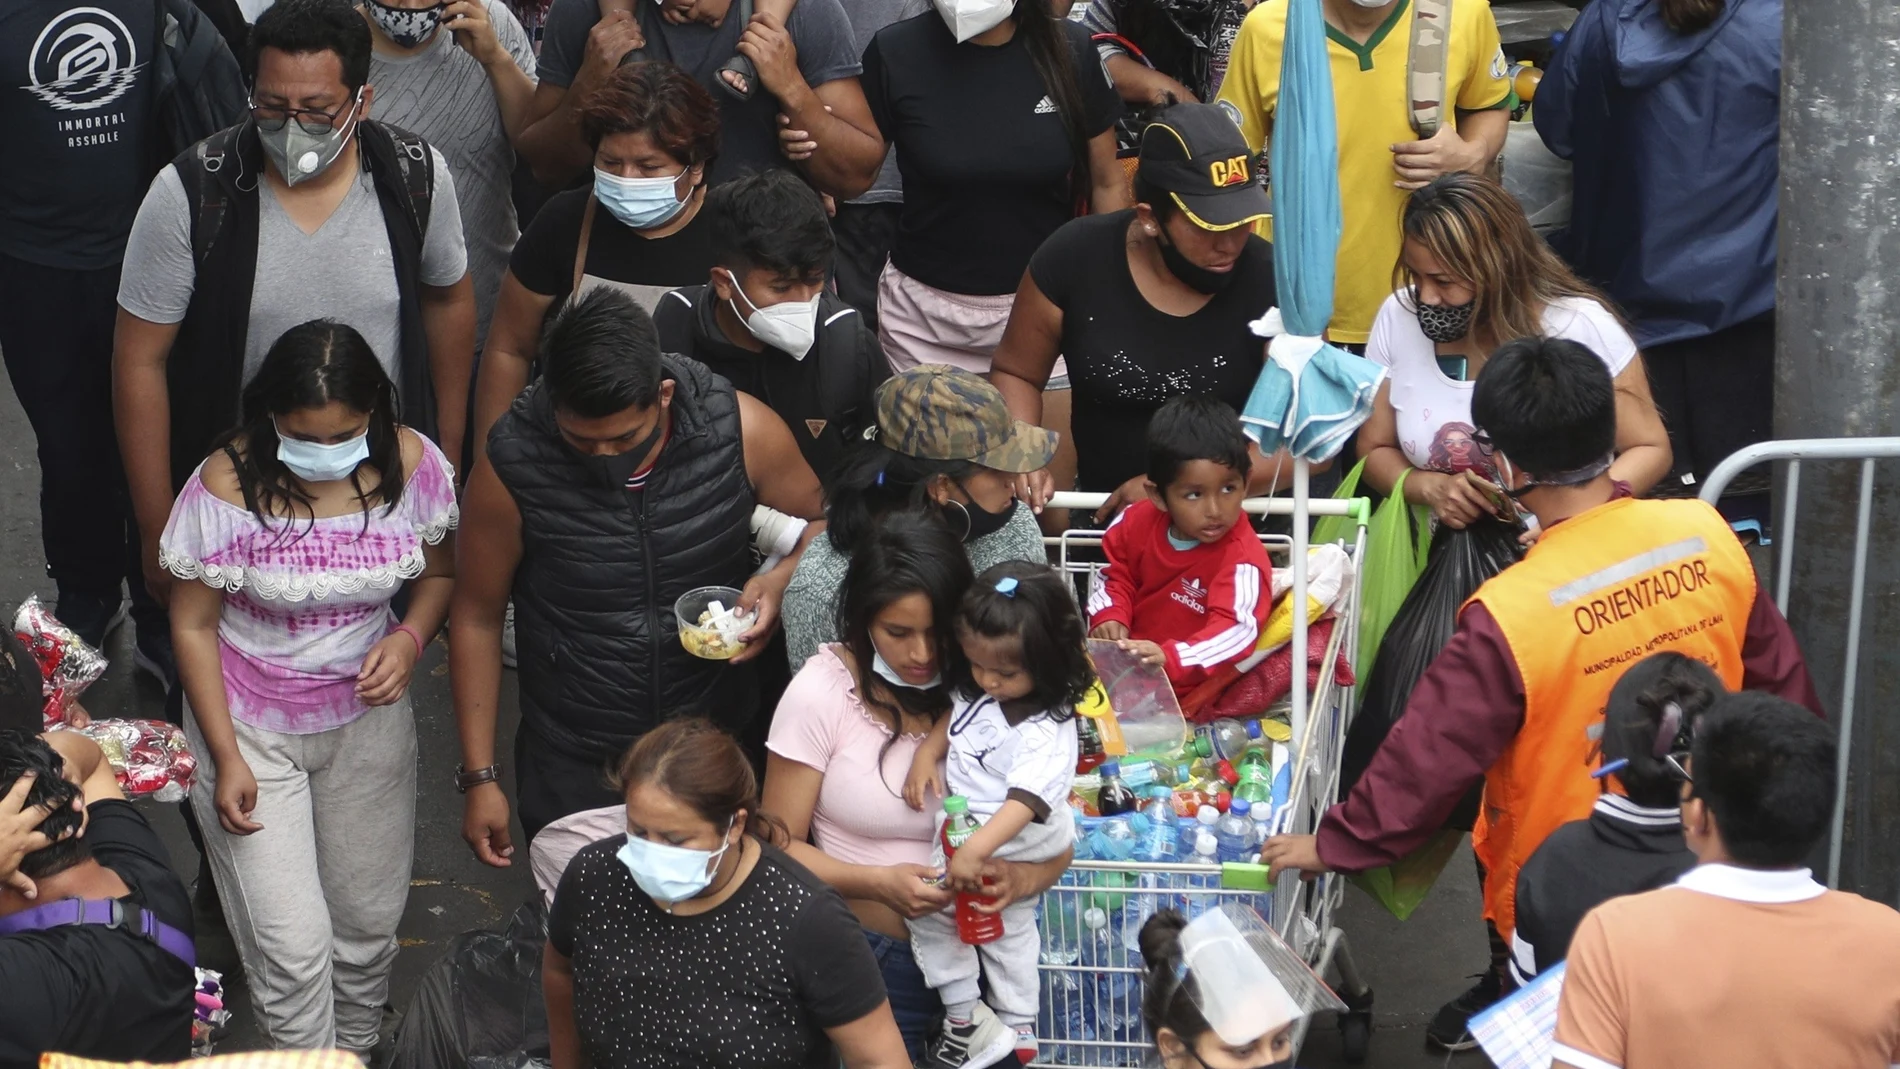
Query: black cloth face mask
<point x="616" y="469"/>
<point x="1197" y="278"/>
<point x="976" y="520"/>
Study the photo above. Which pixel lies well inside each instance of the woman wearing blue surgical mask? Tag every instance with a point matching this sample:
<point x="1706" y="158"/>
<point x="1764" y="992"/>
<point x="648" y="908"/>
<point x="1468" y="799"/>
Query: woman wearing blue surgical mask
<point x="290" y="541"/>
<point x="637" y="226"/>
<point x="696" y="939"/>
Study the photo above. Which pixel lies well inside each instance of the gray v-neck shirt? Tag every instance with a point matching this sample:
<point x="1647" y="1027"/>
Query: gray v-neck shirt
<point x="345" y="271"/>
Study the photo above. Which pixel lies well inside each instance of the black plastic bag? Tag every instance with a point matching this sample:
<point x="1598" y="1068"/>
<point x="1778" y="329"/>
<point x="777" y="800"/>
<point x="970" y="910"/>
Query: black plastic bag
<point x="480" y="1007"/>
<point x="1459" y="564"/>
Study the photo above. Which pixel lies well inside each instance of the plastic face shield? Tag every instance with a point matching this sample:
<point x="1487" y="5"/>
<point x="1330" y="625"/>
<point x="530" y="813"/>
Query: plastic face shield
<point x="1247" y="981"/>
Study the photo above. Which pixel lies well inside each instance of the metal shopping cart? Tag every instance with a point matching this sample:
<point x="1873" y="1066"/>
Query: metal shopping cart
<point x="1090" y="921"/>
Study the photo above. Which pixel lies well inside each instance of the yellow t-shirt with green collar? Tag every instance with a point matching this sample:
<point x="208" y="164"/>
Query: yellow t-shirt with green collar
<point x="1372" y="101"/>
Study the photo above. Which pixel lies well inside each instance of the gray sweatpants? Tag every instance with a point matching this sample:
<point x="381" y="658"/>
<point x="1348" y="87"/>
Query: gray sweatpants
<point x="314" y="897"/>
<point x="955" y="969"/>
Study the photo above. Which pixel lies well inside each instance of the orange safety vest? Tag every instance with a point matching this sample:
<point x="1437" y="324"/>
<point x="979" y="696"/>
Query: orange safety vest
<point x="1599" y="592"/>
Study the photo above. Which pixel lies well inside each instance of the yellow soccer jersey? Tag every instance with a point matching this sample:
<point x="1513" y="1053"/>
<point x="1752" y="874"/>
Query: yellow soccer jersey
<point x="1372" y="101"/>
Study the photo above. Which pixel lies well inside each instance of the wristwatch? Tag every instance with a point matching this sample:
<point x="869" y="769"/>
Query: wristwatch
<point x="475" y="777"/>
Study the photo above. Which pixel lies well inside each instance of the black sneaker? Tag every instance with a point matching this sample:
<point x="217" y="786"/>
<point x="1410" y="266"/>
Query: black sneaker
<point x="980" y="1043"/>
<point x="1450" y="1030"/>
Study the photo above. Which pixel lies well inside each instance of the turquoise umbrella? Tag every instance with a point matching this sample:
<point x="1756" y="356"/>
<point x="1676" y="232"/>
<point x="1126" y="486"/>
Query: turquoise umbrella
<point x="1311" y="396"/>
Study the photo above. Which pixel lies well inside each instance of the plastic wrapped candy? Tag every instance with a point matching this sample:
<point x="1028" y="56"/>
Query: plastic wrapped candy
<point x="149" y="757"/>
<point x="208" y="1015"/>
<point x="67" y="665"/>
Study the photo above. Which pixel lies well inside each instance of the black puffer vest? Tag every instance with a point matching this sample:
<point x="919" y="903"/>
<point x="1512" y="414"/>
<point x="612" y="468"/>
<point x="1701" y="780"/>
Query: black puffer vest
<point x="597" y="642"/>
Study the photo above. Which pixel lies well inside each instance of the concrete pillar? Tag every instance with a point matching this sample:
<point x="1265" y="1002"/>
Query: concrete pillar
<point x="1838" y="374"/>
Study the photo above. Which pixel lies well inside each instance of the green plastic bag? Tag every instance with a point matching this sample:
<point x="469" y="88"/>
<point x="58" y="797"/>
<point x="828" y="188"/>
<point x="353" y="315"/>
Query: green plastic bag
<point x="1401" y="886"/>
<point x="1397" y="543"/>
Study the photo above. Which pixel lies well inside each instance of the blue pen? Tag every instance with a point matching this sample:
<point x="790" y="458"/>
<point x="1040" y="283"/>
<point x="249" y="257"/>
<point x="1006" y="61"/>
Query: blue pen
<point x="1611" y="768"/>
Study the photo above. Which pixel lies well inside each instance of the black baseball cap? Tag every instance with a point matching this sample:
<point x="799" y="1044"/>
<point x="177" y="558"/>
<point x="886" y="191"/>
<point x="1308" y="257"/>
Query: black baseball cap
<point x="1196" y="153"/>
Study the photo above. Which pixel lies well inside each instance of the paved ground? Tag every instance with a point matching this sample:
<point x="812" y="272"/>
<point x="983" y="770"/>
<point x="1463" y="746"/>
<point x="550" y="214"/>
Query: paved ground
<point x="1413" y="967"/>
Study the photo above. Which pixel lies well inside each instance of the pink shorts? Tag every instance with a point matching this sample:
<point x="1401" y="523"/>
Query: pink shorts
<point x="919" y="324"/>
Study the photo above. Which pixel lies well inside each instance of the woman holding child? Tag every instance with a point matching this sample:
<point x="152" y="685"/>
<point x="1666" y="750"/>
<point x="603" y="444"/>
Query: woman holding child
<point x="844" y="740"/>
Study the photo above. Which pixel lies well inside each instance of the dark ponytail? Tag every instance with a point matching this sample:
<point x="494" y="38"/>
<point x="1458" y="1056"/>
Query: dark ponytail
<point x="702" y="766"/>
<point x="1048" y="44"/>
<point x="1166" y="1001"/>
<point x="1691" y="16"/>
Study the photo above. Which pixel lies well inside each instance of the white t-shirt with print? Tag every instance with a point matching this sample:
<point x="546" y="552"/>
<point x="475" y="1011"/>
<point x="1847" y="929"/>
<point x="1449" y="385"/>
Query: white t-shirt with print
<point x="1434" y="412"/>
<point x="990" y="758"/>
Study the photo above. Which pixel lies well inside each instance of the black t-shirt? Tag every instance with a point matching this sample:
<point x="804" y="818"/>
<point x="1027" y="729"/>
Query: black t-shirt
<point x="748" y="130"/>
<point x="981" y="147"/>
<point x="543" y="259"/>
<point x="1127" y="358"/>
<point x="750" y="985"/>
<point x="75" y="119"/>
<point x="93" y="991"/>
<point x="826" y="399"/>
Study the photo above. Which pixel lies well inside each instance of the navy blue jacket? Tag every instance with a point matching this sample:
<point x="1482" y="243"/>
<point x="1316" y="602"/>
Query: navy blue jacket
<point x="1674" y="142"/>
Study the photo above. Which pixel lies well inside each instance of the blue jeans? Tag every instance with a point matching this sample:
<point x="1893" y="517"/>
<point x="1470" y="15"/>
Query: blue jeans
<point x="913" y="1003"/>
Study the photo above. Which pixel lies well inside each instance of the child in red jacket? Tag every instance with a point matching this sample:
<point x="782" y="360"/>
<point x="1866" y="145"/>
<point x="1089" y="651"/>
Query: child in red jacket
<point x="1188" y="583"/>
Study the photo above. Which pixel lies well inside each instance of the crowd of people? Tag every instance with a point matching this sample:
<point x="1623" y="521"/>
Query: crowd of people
<point x="520" y="337"/>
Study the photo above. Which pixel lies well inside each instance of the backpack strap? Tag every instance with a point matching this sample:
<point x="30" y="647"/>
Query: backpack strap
<point x="104" y="913"/>
<point x="204" y="169"/>
<point x="580" y="247"/>
<point x="1425" y="65"/>
<point x="413" y="166"/>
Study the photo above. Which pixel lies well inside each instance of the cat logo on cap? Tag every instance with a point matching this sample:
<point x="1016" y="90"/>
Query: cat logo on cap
<point x="1228" y="172"/>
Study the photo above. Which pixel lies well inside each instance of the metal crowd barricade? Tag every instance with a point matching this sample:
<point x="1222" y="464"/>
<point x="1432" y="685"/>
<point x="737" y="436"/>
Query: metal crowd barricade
<point x="1792" y="452"/>
<point x="1091" y="973"/>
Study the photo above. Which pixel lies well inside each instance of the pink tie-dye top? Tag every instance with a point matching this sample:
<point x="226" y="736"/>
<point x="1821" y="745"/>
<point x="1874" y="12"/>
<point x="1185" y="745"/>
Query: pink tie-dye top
<point x="304" y="603"/>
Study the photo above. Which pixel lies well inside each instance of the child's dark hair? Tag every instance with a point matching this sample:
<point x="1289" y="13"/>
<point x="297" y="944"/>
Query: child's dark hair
<point x="1635" y="714"/>
<point x="1029" y="602"/>
<point x="1194" y="428"/>
<point x="1167" y="998"/>
<point x="21" y="753"/>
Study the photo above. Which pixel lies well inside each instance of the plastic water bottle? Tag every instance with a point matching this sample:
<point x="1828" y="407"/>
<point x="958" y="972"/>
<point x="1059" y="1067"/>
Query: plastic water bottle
<point x="1061" y="1018"/>
<point x="1235" y="834"/>
<point x="1159" y="843"/>
<point x="1209" y="818"/>
<point x="1104" y="954"/>
<point x="1061" y="931"/>
<point x="1226" y="738"/>
<point x="958" y="825"/>
<point x="1206" y="848"/>
<point x="1114" y="798"/>
<point x="1114" y="839"/>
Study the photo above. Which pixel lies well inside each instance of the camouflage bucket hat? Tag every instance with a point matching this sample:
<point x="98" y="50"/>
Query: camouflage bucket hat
<point x="946" y="413"/>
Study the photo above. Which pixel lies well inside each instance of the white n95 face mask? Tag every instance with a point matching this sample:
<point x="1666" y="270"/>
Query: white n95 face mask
<point x="967" y="18"/>
<point x="791" y="326"/>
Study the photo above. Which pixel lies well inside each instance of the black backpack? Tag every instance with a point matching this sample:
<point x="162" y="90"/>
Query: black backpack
<point x="199" y="172"/>
<point x="198" y="87"/>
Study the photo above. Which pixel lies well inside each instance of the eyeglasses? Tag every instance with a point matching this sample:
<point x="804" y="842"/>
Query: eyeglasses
<point x="1483" y="441"/>
<point x="271" y="119"/>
